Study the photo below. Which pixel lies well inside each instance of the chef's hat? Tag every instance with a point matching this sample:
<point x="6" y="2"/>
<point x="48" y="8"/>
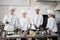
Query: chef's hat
<point x="11" y="8"/>
<point x="23" y="11"/>
<point x="49" y="11"/>
<point x="37" y="7"/>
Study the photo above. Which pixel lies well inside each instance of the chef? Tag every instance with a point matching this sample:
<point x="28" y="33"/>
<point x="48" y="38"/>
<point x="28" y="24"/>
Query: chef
<point x="10" y="20"/>
<point x="24" y="23"/>
<point x="37" y="18"/>
<point x="51" y="24"/>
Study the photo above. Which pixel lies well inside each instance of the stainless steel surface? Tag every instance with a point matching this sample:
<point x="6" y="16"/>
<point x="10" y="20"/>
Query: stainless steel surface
<point x="37" y="36"/>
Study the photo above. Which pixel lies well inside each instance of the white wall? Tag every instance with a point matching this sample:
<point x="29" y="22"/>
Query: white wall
<point x="27" y="5"/>
<point x="14" y="2"/>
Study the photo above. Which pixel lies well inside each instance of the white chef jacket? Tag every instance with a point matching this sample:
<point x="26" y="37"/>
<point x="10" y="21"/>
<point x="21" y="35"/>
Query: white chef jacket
<point x="24" y="23"/>
<point x="37" y="20"/>
<point x="13" y="22"/>
<point x="51" y="24"/>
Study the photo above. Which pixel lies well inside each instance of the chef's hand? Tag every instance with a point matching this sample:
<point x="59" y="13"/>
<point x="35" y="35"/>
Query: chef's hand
<point x="7" y="22"/>
<point x="24" y="33"/>
<point x="49" y="29"/>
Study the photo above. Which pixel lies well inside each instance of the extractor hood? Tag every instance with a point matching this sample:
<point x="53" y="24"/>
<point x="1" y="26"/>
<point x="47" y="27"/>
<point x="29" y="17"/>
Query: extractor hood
<point x="46" y="0"/>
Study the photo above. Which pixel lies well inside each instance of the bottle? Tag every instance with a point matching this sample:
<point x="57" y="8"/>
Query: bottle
<point x="30" y="33"/>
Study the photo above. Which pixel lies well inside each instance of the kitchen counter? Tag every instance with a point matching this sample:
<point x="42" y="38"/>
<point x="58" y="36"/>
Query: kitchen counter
<point x="28" y="36"/>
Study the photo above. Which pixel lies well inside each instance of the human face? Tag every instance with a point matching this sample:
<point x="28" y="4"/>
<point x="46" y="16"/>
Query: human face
<point x="11" y="11"/>
<point x="49" y="15"/>
<point x="37" y="11"/>
<point x="24" y="14"/>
